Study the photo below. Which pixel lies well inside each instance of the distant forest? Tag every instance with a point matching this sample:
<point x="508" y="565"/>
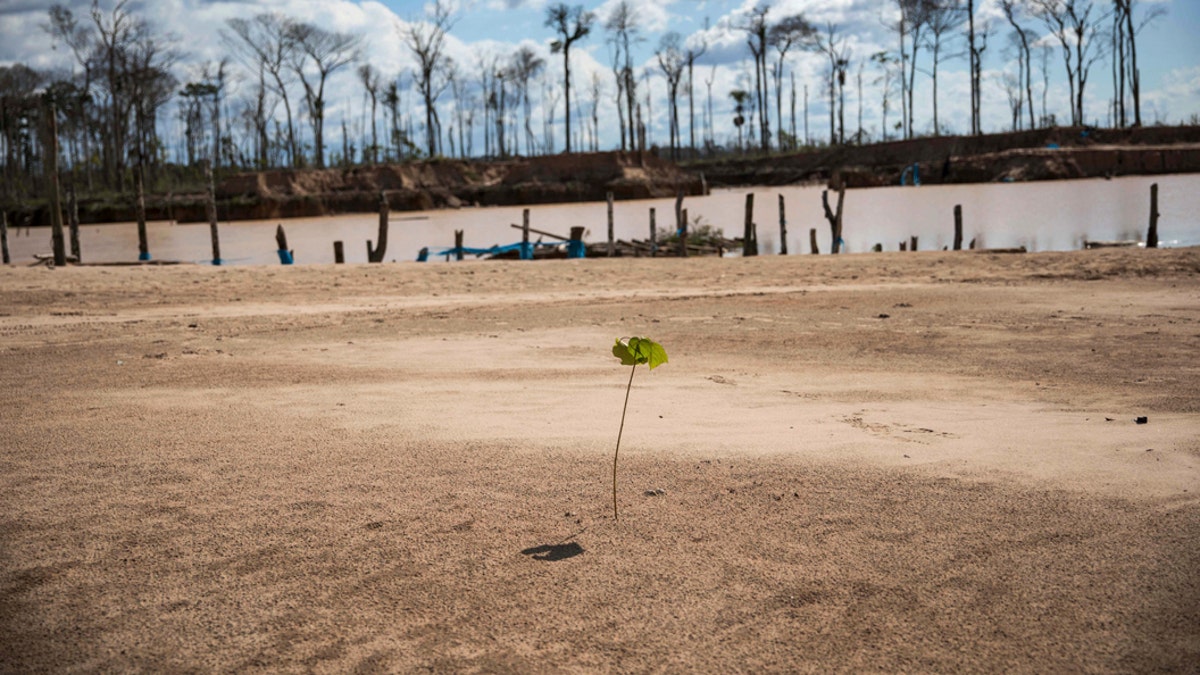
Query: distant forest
<point x="105" y="116"/>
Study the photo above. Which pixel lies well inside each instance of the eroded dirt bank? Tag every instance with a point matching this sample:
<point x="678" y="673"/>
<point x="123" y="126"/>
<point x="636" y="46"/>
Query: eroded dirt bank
<point x="1044" y="154"/>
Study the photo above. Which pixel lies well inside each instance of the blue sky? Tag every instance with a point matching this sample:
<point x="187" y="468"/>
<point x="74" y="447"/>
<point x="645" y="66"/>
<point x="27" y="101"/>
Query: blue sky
<point x="1169" y="54"/>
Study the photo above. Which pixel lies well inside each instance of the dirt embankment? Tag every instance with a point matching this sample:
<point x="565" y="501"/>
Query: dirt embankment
<point x="1043" y="154"/>
<point x="445" y="184"/>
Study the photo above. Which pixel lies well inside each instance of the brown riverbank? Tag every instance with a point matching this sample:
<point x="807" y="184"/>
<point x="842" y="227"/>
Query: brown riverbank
<point x="897" y="462"/>
<point x="1045" y="154"/>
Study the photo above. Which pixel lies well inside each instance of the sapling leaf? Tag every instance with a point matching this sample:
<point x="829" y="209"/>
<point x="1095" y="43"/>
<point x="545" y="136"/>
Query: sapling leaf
<point x="631" y="353"/>
<point x="622" y="351"/>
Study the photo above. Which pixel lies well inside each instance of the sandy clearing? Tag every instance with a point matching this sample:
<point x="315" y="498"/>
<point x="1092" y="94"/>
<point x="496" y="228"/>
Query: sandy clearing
<point x="332" y="469"/>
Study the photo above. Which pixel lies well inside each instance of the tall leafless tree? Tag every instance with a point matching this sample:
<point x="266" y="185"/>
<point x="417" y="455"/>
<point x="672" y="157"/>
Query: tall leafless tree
<point x="1011" y="10"/>
<point x="833" y="46"/>
<point x="265" y="44"/>
<point x="672" y="61"/>
<point x="1076" y="25"/>
<point x="571" y="25"/>
<point x="372" y="83"/>
<point x="913" y="18"/>
<point x="326" y="52"/>
<point x="525" y="66"/>
<point x="427" y="41"/>
<point x="941" y="17"/>
<point x="696" y="48"/>
<point x="887" y="84"/>
<point x="622" y="26"/>
<point x="756" y="27"/>
<point x="1128" y="66"/>
<point x="790" y="31"/>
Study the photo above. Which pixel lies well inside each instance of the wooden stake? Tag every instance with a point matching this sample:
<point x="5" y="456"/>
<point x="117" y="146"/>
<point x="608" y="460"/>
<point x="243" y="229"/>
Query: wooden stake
<point x="749" y="245"/>
<point x="286" y="255"/>
<point x="375" y="254"/>
<point x="653" y="236"/>
<point x="526" y="250"/>
<point x="212" y="214"/>
<point x="140" y="211"/>
<point x="73" y="222"/>
<point x="812" y="240"/>
<point x="958" y="227"/>
<point x="680" y="219"/>
<point x="913" y="247"/>
<point x="612" y="244"/>
<point x="575" y="246"/>
<point x="458" y="244"/>
<point x="782" y="229"/>
<point x="1152" y="233"/>
<point x="4" y="237"/>
<point x="683" y="234"/>
<point x="339" y="253"/>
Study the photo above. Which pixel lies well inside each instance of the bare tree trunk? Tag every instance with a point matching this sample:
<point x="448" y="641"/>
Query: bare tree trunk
<point x="834" y="218"/>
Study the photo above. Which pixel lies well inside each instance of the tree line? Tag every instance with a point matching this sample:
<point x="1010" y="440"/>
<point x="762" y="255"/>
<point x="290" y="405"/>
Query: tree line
<point x="109" y="109"/>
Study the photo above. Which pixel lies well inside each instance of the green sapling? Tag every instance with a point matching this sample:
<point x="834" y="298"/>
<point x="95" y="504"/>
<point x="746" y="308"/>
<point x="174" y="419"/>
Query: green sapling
<point x="632" y="352"/>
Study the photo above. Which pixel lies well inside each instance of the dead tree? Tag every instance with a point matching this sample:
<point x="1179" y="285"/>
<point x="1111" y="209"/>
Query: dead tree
<point x="834" y="218"/>
<point x="572" y="24"/>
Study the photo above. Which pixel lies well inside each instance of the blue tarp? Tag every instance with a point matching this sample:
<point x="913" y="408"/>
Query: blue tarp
<point x="526" y="249"/>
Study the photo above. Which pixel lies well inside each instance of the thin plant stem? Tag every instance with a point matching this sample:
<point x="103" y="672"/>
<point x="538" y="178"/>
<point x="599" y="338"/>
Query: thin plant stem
<point x="617" y="452"/>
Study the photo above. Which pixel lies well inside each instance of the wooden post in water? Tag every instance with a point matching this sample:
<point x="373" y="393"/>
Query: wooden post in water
<point x="1152" y="233"/>
<point x="286" y="255"/>
<point x="958" y="227"/>
<point x="56" y="224"/>
<point x="212" y="214"/>
<point x="749" y="236"/>
<point x="139" y="207"/>
<point x="73" y="222"/>
<point x="683" y="235"/>
<point x="575" y="246"/>
<point x="913" y="239"/>
<point x="526" y="250"/>
<point x="339" y="253"/>
<point x="653" y="235"/>
<point x="458" y="244"/>
<point x="812" y="241"/>
<point x="612" y="244"/>
<point x="680" y="217"/>
<point x="903" y="245"/>
<point x="782" y="229"/>
<point x="375" y="253"/>
<point x="4" y="237"/>
<point x="835" y="219"/>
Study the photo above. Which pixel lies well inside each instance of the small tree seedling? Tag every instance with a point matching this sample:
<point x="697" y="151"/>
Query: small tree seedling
<point x="632" y="352"/>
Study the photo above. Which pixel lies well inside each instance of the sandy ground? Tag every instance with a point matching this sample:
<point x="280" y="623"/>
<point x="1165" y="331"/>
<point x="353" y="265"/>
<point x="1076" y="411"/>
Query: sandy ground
<point x="890" y="462"/>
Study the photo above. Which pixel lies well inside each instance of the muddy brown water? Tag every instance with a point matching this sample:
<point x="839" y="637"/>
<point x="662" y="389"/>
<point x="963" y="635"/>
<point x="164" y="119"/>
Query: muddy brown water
<point x="1042" y="216"/>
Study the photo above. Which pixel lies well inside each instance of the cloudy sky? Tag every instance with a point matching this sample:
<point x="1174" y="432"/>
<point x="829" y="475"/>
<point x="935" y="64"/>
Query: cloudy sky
<point x="1169" y="55"/>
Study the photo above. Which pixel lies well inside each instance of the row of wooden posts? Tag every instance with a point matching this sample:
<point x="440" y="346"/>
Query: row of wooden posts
<point x="575" y="246"/>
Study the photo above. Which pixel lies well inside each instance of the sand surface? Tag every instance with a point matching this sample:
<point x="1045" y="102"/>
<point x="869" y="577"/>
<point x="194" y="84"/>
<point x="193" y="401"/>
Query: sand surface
<point x="892" y="462"/>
